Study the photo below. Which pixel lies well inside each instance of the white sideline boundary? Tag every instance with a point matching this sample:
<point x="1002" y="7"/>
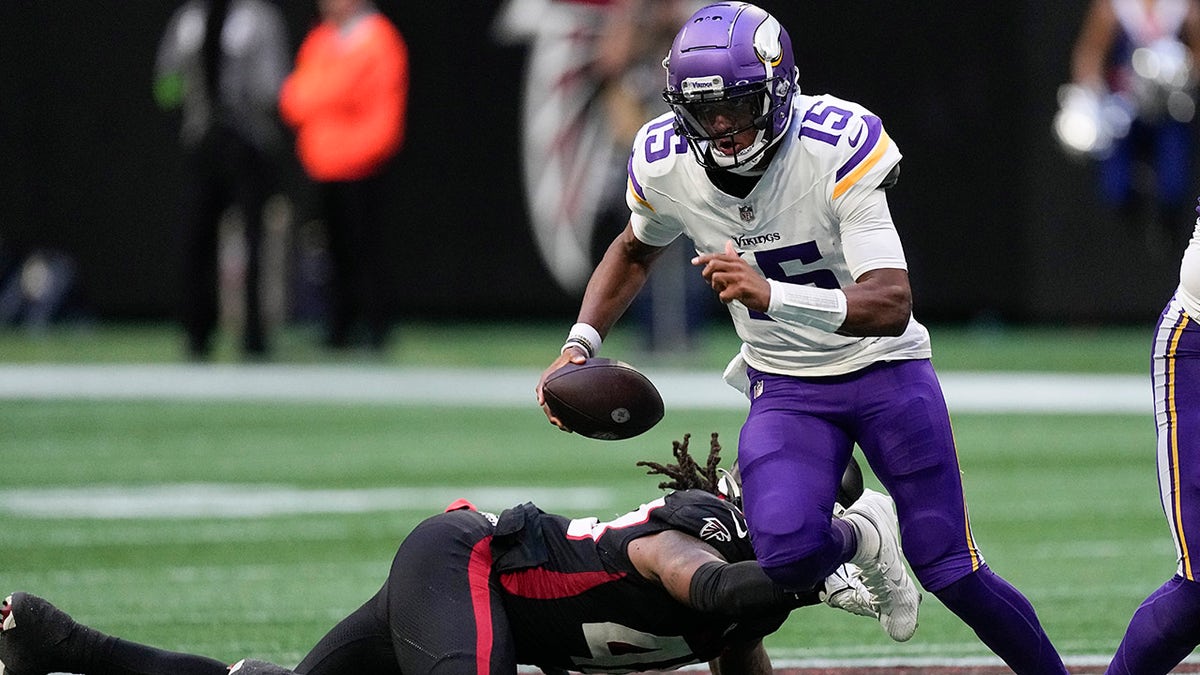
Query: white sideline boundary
<point x="257" y="500"/>
<point x="965" y="391"/>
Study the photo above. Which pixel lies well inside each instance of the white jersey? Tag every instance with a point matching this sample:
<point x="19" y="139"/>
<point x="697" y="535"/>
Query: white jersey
<point x="1189" y="275"/>
<point x="815" y="217"/>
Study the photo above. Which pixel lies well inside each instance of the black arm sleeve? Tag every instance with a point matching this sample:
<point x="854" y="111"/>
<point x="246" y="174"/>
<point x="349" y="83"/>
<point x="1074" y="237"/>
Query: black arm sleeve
<point x="741" y="589"/>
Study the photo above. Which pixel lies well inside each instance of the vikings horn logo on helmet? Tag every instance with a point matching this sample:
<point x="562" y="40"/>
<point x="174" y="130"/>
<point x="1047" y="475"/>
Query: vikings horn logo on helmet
<point x="767" y="44"/>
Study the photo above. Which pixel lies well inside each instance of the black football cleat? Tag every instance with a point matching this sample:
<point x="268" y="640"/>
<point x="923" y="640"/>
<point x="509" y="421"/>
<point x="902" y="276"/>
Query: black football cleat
<point x="37" y="638"/>
<point x="255" y="667"/>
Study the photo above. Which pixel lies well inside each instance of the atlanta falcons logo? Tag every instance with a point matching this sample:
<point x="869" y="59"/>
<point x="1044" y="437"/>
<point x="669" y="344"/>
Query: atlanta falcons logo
<point x="714" y="529"/>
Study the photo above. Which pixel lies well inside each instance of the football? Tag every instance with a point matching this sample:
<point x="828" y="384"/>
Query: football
<point x="603" y="398"/>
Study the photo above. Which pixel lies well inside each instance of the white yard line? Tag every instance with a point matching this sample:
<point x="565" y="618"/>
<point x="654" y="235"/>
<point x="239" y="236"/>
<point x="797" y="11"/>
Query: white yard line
<point x="216" y="500"/>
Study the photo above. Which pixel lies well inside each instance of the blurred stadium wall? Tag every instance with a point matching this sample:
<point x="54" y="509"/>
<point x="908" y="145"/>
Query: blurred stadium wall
<point x="998" y="223"/>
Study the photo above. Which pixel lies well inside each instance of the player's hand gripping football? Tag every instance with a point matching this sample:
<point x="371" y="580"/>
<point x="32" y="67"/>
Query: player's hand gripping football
<point x="734" y="279"/>
<point x="569" y="355"/>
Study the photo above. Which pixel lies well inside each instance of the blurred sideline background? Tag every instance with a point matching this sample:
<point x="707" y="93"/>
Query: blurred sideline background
<point x="112" y="506"/>
<point x="1000" y="226"/>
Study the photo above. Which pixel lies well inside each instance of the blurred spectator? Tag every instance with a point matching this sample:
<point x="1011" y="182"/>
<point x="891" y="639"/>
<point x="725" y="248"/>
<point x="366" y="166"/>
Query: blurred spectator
<point x="346" y="100"/>
<point x="635" y="38"/>
<point x="567" y="148"/>
<point x="223" y="61"/>
<point x="38" y="289"/>
<point x="1133" y="68"/>
<point x="593" y="76"/>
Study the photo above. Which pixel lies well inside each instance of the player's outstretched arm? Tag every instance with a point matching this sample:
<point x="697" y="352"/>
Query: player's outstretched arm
<point x="697" y="576"/>
<point x="617" y="280"/>
<point x="614" y="284"/>
<point x="673" y="559"/>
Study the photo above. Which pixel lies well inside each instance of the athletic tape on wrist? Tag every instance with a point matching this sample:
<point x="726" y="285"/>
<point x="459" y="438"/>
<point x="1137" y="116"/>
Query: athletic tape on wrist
<point x="822" y="308"/>
<point x="585" y="337"/>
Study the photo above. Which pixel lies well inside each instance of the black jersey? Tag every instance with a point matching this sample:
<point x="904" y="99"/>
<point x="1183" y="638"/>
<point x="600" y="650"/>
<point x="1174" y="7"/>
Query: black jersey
<point x="575" y="600"/>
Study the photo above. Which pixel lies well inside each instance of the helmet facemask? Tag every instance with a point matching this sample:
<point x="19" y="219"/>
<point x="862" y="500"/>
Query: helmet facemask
<point x="711" y="122"/>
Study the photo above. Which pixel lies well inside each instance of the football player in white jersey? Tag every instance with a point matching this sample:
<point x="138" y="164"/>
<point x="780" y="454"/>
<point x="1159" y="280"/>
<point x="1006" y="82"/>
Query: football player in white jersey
<point x="783" y="195"/>
<point x="1166" y="627"/>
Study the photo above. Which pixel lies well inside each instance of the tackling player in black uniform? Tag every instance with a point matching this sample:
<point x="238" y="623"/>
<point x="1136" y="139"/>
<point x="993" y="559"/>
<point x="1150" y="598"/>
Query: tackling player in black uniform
<point x="671" y="583"/>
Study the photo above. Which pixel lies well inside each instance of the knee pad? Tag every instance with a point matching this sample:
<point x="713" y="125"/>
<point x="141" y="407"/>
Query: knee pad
<point x="798" y="569"/>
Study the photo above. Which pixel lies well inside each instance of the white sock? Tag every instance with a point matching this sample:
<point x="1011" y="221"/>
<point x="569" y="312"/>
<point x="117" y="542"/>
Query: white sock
<point x="868" y="539"/>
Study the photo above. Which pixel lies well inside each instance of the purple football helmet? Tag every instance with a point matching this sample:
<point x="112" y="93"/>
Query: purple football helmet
<point x="731" y="61"/>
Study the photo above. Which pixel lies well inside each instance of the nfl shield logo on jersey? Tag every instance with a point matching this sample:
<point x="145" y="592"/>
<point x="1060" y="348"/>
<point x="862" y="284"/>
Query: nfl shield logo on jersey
<point x="746" y="212"/>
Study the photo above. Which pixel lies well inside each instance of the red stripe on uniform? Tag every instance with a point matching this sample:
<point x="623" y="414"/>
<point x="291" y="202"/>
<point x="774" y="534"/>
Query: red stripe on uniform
<point x="479" y="571"/>
<point x="541" y="584"/>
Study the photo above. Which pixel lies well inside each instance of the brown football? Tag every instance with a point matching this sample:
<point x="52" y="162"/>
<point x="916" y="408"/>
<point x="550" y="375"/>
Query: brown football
<point x="603" y="398"/>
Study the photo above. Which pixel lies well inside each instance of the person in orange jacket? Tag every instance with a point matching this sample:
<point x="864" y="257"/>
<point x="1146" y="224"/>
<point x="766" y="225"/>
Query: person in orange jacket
<point x="346" y="100"/>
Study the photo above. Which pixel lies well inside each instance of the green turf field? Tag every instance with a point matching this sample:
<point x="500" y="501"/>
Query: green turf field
<point x="1064" y="506"/>
<point x="1075" y="349"/>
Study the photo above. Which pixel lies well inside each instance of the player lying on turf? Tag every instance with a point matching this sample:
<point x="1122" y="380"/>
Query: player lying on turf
<point x="673" y="582"/>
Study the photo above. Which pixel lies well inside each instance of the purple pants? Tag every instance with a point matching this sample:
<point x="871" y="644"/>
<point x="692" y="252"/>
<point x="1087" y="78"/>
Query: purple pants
<point x="1166" y="627"/>
<point x="1175" y="371"/>
<point x="795" y="444"/>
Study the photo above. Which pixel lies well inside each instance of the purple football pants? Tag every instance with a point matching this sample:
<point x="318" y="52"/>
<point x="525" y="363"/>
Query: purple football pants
<point x="792" y="451"/>
<point x="1166" y="627"/>
<point x="796" y="442"/>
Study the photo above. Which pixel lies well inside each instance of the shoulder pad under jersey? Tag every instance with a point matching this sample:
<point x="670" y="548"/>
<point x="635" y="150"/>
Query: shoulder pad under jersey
<point x="848" y="141"/>
<point x="656" y="154"/>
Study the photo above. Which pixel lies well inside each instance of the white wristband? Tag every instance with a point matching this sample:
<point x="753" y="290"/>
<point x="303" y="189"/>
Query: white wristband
<point x="822" y="308"/>
<point x="585" y="337"/>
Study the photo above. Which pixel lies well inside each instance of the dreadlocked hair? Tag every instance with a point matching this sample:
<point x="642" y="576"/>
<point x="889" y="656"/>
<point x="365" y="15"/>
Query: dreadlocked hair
<point x="687" y="474"/>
